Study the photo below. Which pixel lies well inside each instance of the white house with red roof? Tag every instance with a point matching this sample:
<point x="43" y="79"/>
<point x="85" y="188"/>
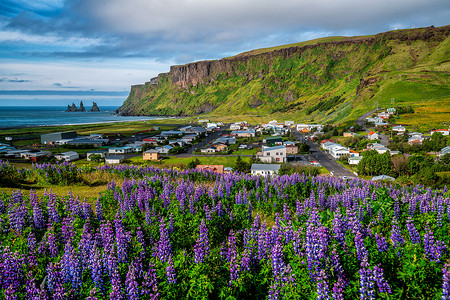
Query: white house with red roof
<point x="373" y="136"/>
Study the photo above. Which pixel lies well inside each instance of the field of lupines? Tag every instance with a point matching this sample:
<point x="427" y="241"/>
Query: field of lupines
<point x="167" y="234"/>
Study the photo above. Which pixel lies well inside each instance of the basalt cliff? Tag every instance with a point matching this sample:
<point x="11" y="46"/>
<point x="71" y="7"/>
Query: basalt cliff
<point x="329" y="79"/>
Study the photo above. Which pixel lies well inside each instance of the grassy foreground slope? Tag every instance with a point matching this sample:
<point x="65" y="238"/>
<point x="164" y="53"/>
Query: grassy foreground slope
<point x="326" y="80"/>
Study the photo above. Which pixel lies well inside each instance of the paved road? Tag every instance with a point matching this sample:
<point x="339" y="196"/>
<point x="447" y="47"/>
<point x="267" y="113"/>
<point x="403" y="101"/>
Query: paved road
<point x="362" y="120"/>
<point x="211" y="137"/>
<point x="325" y="159"/>
<point x="384" y="139"/>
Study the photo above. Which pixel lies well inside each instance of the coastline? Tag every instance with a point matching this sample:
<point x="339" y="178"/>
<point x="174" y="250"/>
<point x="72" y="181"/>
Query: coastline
<point x="76" y="124"/>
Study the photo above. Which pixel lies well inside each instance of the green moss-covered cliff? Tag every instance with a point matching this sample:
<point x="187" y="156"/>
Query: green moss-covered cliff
<point x="332" y="79"/>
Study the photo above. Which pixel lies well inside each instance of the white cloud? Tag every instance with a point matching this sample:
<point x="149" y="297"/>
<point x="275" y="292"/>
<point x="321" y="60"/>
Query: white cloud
<point x="106" y="75"/>
<point x="73" y="42"/>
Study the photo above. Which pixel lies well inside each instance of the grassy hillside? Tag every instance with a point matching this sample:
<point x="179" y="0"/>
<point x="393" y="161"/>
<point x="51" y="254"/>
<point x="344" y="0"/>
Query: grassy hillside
<point x="326" y="80"/>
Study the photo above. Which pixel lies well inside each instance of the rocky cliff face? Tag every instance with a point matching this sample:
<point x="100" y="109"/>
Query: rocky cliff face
<point x="300" y="76"/>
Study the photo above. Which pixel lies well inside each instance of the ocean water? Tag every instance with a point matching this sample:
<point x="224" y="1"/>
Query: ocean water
<point x="30" y="116"/>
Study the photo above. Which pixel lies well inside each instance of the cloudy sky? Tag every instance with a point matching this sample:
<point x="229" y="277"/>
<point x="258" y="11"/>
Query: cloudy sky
<point x="58" y="50"/>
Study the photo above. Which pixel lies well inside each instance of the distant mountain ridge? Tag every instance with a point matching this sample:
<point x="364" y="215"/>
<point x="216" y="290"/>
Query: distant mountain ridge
<point x="331" y="79"/>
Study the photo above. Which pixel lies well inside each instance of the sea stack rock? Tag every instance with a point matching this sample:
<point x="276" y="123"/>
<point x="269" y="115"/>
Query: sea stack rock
<point x="71" y="108"/>
<point x="94" y="107"/>
<point x="82" y="107"/>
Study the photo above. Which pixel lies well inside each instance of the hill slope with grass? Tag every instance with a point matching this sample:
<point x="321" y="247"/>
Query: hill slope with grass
<point x="333" y="79"/>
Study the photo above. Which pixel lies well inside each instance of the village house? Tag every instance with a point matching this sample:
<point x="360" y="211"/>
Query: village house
<point x="323" y="142"/>
<point x="114" y="159"/>
<point x="151" y="141"/>
<point x="67" y="156"/>
<point x="50" y="138"/>
<point x="273" y="140"/>
<point x="354" y="160"/>
<point x="354" y="153"/>
<point x="273" y="154"/>
<point x="235" y="127"/>
<point x="164" y="149"/>
<point x="415" y="140"/>
<point x="349" y="134"/>
<point x="195" y="130"/>
<point x="383" y="178"/>
<point x="244" y="133"/>
<point x="135" y="147"/>
<point x="36" y="156"/>
<point x="208" y="150"/>
<point x="338" y="151"/>
<point x="373" y="136"/>
<point x="384" y="115"/>
<point x="213" y="168"/>
<point x="442" y="131"/>
<point x="220" y="147"/>
<point x="120" y="150"/>
<point x="391" y="110"/>
<point x="291" y="149"/>
<point x="399" y="129"/>
<point x="444" y="151"/>
<point x="265" y="169"/>
<point x="170" y="133"/>
<point x="102" y="154"/>
<point x="151" y="154"/>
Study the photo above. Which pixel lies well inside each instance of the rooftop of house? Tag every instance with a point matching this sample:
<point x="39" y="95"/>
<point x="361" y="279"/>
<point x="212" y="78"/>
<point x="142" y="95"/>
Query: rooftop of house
<point x="265" y="167"/>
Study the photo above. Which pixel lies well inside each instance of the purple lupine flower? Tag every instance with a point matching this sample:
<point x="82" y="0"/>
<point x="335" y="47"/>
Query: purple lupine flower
<point x="245" y="260"/>
<point x="164" y="246"/>
<point x="131" y="284"/>
<point x="338" y="229"/>
<point x="413" y="233"/>
<point x="201" y="248"/>
<point x="234" y="270"/>
<point x="31" y="242"/>
<point x="54" y="276"/>
<point x="10" y="270"/>
<point x="381" y="243"/>
<point x="446" y="282"/>
<point x="38" y="217"/>
<point x="116" y="286"/>
<point x="397" y="238"/>
<point x="338" y="289"/>
<point x="11" y="293"/>
<point x="337" y="267"/>
<point x="286" y="214"/>
<point x="150" y="284"/>
<point x="361" y="250"/>
<point x="99" y="210"/>
<point x="96" y="269"/>
<point x="32" y="292"/>
<point x="170" y="272"/>
<point x="122" y="241"/>
<point x="382" y="284"/>
<point x="92" y="294"/>
<point x="433" y="249"/>
<point x="67" y="229"/>
<point x="140" y="238"/>
<point x="366" y="289"/>
<point x="323" y="291"/>
<point x="59" y="292"/>
<point x="231" y="246"/>
<point x="278" y="264"/>
<point x="170" y="223"/>
<point x="52" y="242"/>
<point x="18" y="216"/>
